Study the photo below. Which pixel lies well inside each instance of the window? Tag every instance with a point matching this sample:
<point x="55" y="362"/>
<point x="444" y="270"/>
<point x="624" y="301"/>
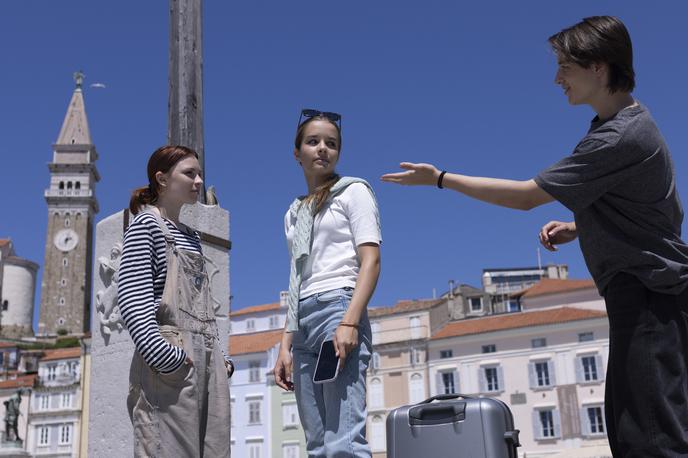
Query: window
<point x="5" y="305"/>
<point x="43" y="401"/>
<point x="63" y="282"/>
<point x="290" y="416"/>
<point x="375" y="361"/>
<point x="491" y="348"/>
<point x="61" y="186"/>
<point x="52" y="372"/>
<point x="586" y="337"/>
<point x="376" y="394"/>
<point x="416" y="389"/>
<point x="415" y="356"/>
<point x="274" y="322"/>
<point x="62" y="301"/>
<point x="254" y="450"/>
<point x="541" y="374"/>
<point x="593" y="421"/>
<point x="446" y="382"/>
<point x="491" y="379"/>
<point x="588" y="368"/>
<point x="539" y="342"/>
<point x="513" y="306"/>
<point x="254" y="371"/>
<point x="254" y="412"/>
<point x="69" y="185"/>
<point x="67" y="222"/>
<point x="73" y="368"/>
<point x="250" y="325"/>
<point x="65" y="434"/>
<point x="77" y="185"/>
<point x="66" y="400"/>
<point x="290" y="451"/>
<point x="65" y="263"/>
<point x="446" y="354"/>
<point x="415" y="327"/>
<point x="476" y="304"/>
<point x="377" y="439"/>
<point x="546" y="424"/>
<point x="43" y="436"/>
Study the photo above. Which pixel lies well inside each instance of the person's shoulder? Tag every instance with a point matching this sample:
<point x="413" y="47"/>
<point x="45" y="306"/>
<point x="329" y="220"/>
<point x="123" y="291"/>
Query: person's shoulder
<point x="144" y="222"/>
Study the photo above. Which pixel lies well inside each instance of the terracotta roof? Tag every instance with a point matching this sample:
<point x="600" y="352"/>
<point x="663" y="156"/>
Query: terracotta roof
<point x="553" y="286"/>
<point x="255" y="342"/>
<point x="256" y="309"/>
<point x="4" y="242"/>
<point x="20" y="382"/>
<point x="61" y="353"/>
<point x="404" y="306"/>
<point x="515" y="320"/>
<point x="8" y="344"/>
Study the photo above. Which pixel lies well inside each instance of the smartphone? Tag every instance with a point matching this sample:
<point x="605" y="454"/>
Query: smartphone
<point x="327" y="367"/>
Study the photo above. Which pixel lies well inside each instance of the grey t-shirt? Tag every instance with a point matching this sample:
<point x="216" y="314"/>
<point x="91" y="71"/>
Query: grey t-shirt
<point x="620" y="185"/>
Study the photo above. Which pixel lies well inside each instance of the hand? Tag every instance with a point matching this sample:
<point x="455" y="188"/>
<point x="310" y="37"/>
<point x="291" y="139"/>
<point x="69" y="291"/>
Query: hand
<point x="230" y="368"/>
<point x="345" y="341"/>
<point x="556" y="233"/>
<point x="416" y="174"/>
<point x="283" y="367"/>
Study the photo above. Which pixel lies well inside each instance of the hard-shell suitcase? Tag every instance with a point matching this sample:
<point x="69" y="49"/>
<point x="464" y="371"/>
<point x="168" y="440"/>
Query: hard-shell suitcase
<point x="455" y="426"/>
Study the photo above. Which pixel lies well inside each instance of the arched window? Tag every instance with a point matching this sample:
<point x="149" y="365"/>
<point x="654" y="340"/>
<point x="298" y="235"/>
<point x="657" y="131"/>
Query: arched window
<point x="61" y="185"/>
<point x="377" y="436"/>
<point x="77" y="185"/>
<point x="69" y="185"/>
<point x="416" y="389"/>
<point x="376" y="393"/>
<point x="5" y="305"/>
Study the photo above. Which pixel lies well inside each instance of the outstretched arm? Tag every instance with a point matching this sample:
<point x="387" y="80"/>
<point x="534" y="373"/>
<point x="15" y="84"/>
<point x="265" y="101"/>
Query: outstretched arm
<point x="520" y="195"/>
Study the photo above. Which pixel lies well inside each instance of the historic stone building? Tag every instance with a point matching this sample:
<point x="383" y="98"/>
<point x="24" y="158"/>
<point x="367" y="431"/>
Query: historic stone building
<point x="72" y="205"/>
<point x="17" y="292"/>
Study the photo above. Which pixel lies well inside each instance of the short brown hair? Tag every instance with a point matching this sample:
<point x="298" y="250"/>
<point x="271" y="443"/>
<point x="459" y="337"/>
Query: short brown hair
<point x="599" y="39"/>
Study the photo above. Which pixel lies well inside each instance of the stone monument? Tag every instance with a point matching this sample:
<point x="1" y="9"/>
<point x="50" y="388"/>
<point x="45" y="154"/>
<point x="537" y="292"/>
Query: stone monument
<point x="110" y="431"/>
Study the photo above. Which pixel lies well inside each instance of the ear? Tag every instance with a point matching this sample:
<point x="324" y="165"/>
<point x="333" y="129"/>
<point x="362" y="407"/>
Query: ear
<point x="161" y="179"/>
<point x="297" y="156"/>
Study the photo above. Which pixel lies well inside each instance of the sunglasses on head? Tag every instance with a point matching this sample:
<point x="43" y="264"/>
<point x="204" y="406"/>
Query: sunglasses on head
<point x="308" y="113"/>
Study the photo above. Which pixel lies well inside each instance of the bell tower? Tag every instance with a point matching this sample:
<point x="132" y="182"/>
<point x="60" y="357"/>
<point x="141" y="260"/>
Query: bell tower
<point x="72" y="205"/>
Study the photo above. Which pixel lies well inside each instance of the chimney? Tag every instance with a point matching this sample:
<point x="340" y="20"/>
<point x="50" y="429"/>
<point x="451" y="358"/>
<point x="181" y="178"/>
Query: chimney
<point x="284" y="295"/>
<point x="451" y="288"/>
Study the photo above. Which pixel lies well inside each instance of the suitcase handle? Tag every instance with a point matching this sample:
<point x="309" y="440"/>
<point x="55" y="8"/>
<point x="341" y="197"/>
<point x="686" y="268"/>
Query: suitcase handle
<point x="436" y="414"/>
<point x="445" y="397"/>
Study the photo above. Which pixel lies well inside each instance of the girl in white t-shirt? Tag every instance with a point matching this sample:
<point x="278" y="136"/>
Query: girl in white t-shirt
<point x="333" y="235"/>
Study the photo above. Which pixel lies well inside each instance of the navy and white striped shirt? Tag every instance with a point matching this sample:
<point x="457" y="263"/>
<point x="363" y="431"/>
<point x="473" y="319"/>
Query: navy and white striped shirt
<point x="142" y="273"/>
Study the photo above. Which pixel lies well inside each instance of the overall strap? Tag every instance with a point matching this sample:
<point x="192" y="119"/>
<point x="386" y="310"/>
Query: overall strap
<point x="169" y="238"/>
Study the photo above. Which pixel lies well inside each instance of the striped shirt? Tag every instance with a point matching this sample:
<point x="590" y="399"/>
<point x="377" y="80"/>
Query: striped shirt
<point x="142" y="273"/>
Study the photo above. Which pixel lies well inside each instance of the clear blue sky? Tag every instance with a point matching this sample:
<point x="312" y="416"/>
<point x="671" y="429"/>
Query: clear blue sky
<point x="465" y="85"/>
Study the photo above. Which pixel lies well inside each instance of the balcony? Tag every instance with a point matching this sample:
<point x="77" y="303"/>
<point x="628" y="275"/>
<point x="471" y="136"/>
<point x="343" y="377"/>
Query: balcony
<point x="400" y="334"/>
<point x="58" y="379"/>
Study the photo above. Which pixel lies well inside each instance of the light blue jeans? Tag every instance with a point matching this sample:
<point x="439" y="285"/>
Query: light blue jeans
<point x="333" y="414"/>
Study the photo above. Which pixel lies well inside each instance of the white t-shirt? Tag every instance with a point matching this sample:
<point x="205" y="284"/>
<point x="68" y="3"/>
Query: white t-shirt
<point x="347" y="221"/>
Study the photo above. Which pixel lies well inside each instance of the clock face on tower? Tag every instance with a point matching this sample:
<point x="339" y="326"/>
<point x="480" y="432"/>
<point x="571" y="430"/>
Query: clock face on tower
<point x="66" y="239"/>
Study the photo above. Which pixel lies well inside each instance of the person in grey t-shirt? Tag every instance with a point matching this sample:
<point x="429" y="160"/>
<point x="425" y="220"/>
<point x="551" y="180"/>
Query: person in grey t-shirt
<point x="619" y="183"/>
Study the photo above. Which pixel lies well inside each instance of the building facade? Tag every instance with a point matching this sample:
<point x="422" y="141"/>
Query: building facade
<point x="17" y="292"/>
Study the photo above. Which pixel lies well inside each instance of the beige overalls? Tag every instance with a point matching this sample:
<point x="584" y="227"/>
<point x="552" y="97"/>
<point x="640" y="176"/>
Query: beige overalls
<point x="184" y="413"/>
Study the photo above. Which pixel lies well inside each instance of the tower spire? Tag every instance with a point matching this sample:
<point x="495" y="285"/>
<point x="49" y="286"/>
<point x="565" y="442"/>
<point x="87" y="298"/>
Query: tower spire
<point x="75" y="129"/>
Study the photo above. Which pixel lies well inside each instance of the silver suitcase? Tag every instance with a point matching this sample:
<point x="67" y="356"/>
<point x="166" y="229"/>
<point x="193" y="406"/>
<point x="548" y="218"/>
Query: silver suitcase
<point x="452" y="425"/>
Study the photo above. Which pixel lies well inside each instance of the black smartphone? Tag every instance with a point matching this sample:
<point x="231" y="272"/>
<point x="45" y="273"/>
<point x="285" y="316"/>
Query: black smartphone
<point x="327" y="367"/>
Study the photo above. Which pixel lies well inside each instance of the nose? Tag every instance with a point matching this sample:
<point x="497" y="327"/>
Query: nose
<point x="557" y="77"/>
<point x="198" y="180"/>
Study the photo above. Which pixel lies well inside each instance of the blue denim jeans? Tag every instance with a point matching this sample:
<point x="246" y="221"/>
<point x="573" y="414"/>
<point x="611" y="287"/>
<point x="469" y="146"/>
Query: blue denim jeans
<point x="333" y="414"/>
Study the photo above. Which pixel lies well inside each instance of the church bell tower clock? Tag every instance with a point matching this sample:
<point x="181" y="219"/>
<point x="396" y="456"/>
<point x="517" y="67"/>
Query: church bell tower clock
<point x="72" y="205"/>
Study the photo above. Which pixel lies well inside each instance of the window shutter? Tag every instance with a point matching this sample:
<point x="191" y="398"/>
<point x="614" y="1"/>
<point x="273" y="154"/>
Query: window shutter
<point x="455" y="376"/>
<point x="537" y="426"/>
<point x="532" y="375"/>
<point x="598" y="364"/>
<point x="439" y="385"/>
<point x="557" y="423"/>
<point x="585" y="422"/>
<point x="552" y="373"/>
<point x="482" y="379"/>
<point x="580" y="378"/>
<point x="501" y="386"/>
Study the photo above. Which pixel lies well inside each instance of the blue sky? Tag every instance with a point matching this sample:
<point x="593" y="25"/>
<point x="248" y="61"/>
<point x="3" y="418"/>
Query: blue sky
<point x="467" y="86"/>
